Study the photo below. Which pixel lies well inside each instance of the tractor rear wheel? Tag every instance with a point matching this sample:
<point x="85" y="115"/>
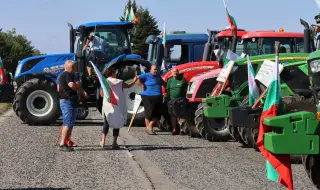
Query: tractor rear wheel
<point x="311" y="164"/>
<point x="37" y="102"/>
<point x="246" y="133"/>
<point x="235" y="133"/>
<point x="212" y="129"/>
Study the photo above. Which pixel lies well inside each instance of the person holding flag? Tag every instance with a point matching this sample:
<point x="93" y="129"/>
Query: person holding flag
<point x="114" y="111"/>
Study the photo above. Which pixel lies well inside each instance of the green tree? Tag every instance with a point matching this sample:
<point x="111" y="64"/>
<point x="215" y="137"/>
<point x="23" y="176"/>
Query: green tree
<point x="147" y="25"/>
<point x="14" y="47"/>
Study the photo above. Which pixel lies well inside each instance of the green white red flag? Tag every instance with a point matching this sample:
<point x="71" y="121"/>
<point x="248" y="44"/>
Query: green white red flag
<point x="129" y="15"/>
<point x="253" y="88"/>
<point x="164" y="36"/>
<point x="231" y="20"/>
<point x="107" y="91"/>
<point x="278" y="166"/>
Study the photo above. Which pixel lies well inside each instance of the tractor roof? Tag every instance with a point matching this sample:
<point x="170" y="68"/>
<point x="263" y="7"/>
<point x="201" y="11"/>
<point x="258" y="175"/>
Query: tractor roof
<point x="187" y="37"/>
<point x="228" y="33"/>
<point x="272" y="34"/>
<point x="94" y="24"/>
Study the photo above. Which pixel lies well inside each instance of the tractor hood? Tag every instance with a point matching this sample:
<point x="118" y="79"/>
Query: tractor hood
<point x="191" y="69"/>
<point x="206" y="75"/>
<point x="45" y="63"/>
<point x="314" y="55"/>
<point x="127" y="60"/>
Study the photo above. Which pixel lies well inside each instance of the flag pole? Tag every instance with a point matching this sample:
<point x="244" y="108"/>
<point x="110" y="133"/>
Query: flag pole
<point x="277" y="47"/>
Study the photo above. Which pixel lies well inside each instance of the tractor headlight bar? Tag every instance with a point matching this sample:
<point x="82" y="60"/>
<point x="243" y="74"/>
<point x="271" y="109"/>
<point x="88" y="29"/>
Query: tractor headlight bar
<point x="315" y="66"/>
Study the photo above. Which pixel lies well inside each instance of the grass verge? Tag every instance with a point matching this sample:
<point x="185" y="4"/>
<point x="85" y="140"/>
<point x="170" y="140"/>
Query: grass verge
<point x="4" y="107"/>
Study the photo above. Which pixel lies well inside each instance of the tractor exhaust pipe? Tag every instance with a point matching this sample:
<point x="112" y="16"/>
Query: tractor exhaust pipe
<point x="306" y="37"/>
<point x="234" y="41"/>
<point x="71" y="36"/>
<point x="207" y="47"/>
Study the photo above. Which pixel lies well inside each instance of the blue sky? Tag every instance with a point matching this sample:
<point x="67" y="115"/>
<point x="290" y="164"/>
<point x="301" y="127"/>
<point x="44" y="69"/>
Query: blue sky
<point x="44" y="21"/>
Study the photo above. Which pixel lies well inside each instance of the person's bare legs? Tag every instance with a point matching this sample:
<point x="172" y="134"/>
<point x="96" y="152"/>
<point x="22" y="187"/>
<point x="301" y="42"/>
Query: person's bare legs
<point x="64" y="135"/>
<point x="115" y="138"/>
<point x="103" y="139"/>
<point x="147" y="122"/>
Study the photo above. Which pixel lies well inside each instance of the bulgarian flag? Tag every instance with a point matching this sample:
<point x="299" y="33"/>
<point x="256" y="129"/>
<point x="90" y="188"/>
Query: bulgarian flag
<point x="164" y="36"/>
<point x="231" y="56"/>
<point x="107" y="91"/>
<point x="232" y="21"/>
<point x="2" y="73"/>
<point x="278" y="166"/>
<point x="129" y="16"/>
<point x="253" y="88"/>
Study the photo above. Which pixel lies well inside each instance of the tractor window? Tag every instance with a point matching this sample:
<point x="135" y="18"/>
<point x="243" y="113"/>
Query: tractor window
<point x="286" y="45"/>
<point x="251" y="46"/>
<point x="198" y="52"/>
<point x="108" y="43"/>
<point x="299" y="45"/>
<point x="179" y="54"/>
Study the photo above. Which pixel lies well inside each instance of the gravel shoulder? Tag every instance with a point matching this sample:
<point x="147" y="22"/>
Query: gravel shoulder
<point x="29" y="159"/>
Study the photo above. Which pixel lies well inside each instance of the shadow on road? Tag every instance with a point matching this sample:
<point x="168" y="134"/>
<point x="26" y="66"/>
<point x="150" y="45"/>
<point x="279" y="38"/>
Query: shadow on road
<point x="160" y="147"/>
<point x="48" y="188"/>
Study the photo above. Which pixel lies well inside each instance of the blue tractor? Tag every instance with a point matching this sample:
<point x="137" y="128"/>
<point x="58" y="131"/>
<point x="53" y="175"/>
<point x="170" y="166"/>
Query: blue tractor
<point x="35" y="100"/>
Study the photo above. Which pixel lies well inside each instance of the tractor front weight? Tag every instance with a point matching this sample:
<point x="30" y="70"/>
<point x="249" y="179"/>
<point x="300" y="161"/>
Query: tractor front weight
<point x="294" y="133"/>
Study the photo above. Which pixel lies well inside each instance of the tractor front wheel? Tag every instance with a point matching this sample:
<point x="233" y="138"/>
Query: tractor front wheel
<point x="212" y="129"/>
<point x="37" y="103"/>
<point x="311" y="164"/>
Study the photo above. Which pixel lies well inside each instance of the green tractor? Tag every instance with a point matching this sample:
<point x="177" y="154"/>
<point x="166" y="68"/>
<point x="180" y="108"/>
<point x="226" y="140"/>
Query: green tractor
<point x="298" y="133"/>
<point x="244" y="120"/>
<point x="212" y="116"/>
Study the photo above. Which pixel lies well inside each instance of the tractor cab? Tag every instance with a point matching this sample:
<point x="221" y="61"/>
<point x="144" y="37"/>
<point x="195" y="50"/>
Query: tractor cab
<point x="225" y="40"/>
<point x="181" y="47"/>
<point x="262" y="42"/>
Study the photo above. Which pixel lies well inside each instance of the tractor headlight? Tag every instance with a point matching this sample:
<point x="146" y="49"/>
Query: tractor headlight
<point x="18" y="70"/>
<point x="192" y="87"/>
<point x="315" y="66"/>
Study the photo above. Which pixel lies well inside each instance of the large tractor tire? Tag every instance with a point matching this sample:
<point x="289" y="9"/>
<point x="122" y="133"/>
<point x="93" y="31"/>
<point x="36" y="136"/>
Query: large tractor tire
<point x="291" y="104"/>
<point x="37" y="102"/>
<point x="234" y="133"/>
<point x="246" y="134"/>
<point x="311" y="164"/>
<point x="209" y="128"/>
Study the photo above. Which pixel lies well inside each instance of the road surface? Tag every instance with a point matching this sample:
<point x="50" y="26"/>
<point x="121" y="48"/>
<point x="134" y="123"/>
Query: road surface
<point x="29" y="159"/>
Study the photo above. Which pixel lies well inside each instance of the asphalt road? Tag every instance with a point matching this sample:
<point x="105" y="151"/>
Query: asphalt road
<point x="29" y="159"/>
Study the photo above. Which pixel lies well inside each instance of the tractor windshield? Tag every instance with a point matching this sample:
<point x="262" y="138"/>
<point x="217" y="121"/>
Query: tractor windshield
<point x="226" y="42"/>
<point x="107" y="44"/>
<point x="153" y="53"/>
<point x="261" y="46"/>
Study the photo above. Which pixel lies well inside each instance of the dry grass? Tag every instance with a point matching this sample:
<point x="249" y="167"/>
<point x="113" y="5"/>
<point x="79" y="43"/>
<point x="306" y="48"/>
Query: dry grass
<point x="4" y="107"/>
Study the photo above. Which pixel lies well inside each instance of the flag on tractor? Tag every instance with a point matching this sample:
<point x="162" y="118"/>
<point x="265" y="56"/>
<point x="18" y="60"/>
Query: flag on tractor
<point x="107" y="91"/>
<point x="2" y="73"/>
<point x="129" y="16"/>
<point x="278" y="166"/>
<point x="164" y="36"/>
<point x="253" y="88"/>
<point x="231" y="20"/>
<point x="231" y="56"/>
